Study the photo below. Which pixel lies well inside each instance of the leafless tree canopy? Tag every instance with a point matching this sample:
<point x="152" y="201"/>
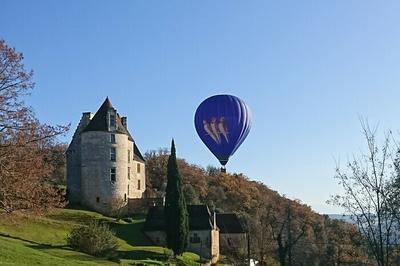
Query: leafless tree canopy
<point x="367" y="181"/>
<point x="24" y="141"/>
<point x="281" y="231"/>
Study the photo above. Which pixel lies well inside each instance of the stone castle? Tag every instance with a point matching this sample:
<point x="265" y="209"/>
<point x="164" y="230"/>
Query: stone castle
<point x="105" y="168"/>
<point x="106" y="174"/>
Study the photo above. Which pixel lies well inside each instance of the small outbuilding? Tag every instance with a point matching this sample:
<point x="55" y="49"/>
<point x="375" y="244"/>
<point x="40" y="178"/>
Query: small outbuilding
<point x="232" y="236"/>
<point x="203" y="238"/>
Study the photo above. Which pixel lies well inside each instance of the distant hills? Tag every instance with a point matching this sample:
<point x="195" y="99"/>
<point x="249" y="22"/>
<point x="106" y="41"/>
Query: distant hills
<point x="341" y="217"/>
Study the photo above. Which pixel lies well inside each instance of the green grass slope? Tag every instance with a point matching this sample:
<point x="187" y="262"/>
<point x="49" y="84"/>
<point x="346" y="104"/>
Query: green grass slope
<point x="41" y="240"/>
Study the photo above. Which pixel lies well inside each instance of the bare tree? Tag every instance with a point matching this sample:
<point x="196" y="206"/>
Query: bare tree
<point x="118" y="207"/>
<point x="288" y="225"/>
<point x="261" y="247"/>
<point x="366" y="181"/>
<point x="23" y="141"/>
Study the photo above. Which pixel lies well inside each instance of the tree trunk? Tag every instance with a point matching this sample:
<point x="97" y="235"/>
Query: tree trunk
<point x="281" y="251"/>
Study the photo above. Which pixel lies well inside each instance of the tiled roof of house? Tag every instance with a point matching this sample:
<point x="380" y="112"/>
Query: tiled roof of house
<point x="228" y="223"/>
<point x="137" y="153"/>
<point x="199" y="218"/>
<point x="155" y="220"/>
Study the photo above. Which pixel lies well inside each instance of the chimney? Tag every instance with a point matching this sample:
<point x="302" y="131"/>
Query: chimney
<point x="86" y="117"/>
<point x="124" y="121"/>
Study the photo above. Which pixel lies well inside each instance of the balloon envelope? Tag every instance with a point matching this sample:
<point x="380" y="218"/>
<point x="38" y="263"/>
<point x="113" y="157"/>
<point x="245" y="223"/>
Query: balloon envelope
<point x="223" y="122"/>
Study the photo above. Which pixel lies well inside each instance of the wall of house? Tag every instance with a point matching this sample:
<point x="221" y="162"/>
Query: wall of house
<point x="137" y="174"/>
<point x="236" y="243"/>
<point x="204" y="243"/>
<point x="215" y="235"/>
<point x="142" y="205"/>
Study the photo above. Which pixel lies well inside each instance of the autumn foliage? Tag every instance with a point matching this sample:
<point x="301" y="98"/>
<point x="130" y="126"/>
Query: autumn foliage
<point x="24" y="142"/>
<point x="282" y="231"/>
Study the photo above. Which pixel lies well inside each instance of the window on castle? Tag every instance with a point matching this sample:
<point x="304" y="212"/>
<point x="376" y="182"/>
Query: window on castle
<point x="113" y="154"/>
<point x="112" y="120"/>
<point x="97" y="199"/>
<point x="129" y="173"/>
<point x="113" y="174"/>
<point x="129" y="156"/>
<point x="138" y="168"/>
<point x="128" y="190"/>
<point x="125" y="197"/>
<point x="138" y="184"/>
<point x="112" y="138"/>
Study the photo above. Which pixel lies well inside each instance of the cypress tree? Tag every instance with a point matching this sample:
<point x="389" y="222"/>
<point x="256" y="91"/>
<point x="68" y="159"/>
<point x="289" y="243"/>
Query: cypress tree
<point x="176" y="214"/>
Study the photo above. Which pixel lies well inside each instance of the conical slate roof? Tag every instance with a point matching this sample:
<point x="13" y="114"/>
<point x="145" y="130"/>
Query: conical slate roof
<point x="99" y="123"/>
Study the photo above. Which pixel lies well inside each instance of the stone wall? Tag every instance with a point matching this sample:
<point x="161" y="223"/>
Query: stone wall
<point x="141" y="205"/>
<point x="136" y="190"/>
<point x="233" y="243"/>
<point x="204" y="243"/>
<point x="73" y="155"/>
<point x="98" y="191"/>
<point x="215" y="245"/>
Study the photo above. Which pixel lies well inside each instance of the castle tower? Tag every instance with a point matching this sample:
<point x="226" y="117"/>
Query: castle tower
<point x="104" y="166"/>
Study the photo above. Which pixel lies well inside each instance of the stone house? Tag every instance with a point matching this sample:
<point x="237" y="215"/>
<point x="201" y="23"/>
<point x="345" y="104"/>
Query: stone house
<point x="232" y="236"/>
<point x="105" y="168"/>
<point x="203" y="238"/>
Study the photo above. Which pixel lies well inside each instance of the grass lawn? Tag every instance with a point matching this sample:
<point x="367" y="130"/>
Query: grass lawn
<point x="41" y="240"/>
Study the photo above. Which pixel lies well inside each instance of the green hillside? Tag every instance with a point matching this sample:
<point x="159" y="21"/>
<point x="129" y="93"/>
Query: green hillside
<point x="41" y="240"/>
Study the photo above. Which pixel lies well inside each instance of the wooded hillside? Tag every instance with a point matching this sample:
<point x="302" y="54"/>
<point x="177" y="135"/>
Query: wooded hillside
<point x="281" y="230"/>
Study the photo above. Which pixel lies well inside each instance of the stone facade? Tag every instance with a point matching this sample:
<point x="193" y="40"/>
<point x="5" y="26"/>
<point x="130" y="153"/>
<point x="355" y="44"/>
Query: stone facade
<point x="74" y="161"/>
<point x="205" y="242"/>
<point x="203" y="237"/>
<point x="210" y="234"/>
<point x="202" y="242"/>
<point x="232" y="236"/>
<point x="105" y="169"/>
<point x="233" y="243"/>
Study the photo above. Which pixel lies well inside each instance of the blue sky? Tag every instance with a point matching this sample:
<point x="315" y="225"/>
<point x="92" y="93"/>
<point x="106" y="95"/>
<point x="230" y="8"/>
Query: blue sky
<point x="307" y="69"/>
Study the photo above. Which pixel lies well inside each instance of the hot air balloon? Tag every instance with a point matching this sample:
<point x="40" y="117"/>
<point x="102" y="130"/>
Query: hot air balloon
<point x="222" y="123"/>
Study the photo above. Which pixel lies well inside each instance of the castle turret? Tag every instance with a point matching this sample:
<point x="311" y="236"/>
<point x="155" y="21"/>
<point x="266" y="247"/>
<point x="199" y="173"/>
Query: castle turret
<point x="111" y="165"/>
<point x="73" y="154"/>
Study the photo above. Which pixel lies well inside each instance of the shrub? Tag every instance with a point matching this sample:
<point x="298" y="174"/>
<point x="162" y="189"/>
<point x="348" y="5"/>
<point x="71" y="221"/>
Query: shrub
<point x="95" y="239"/>
<point x="168" y="254"/>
